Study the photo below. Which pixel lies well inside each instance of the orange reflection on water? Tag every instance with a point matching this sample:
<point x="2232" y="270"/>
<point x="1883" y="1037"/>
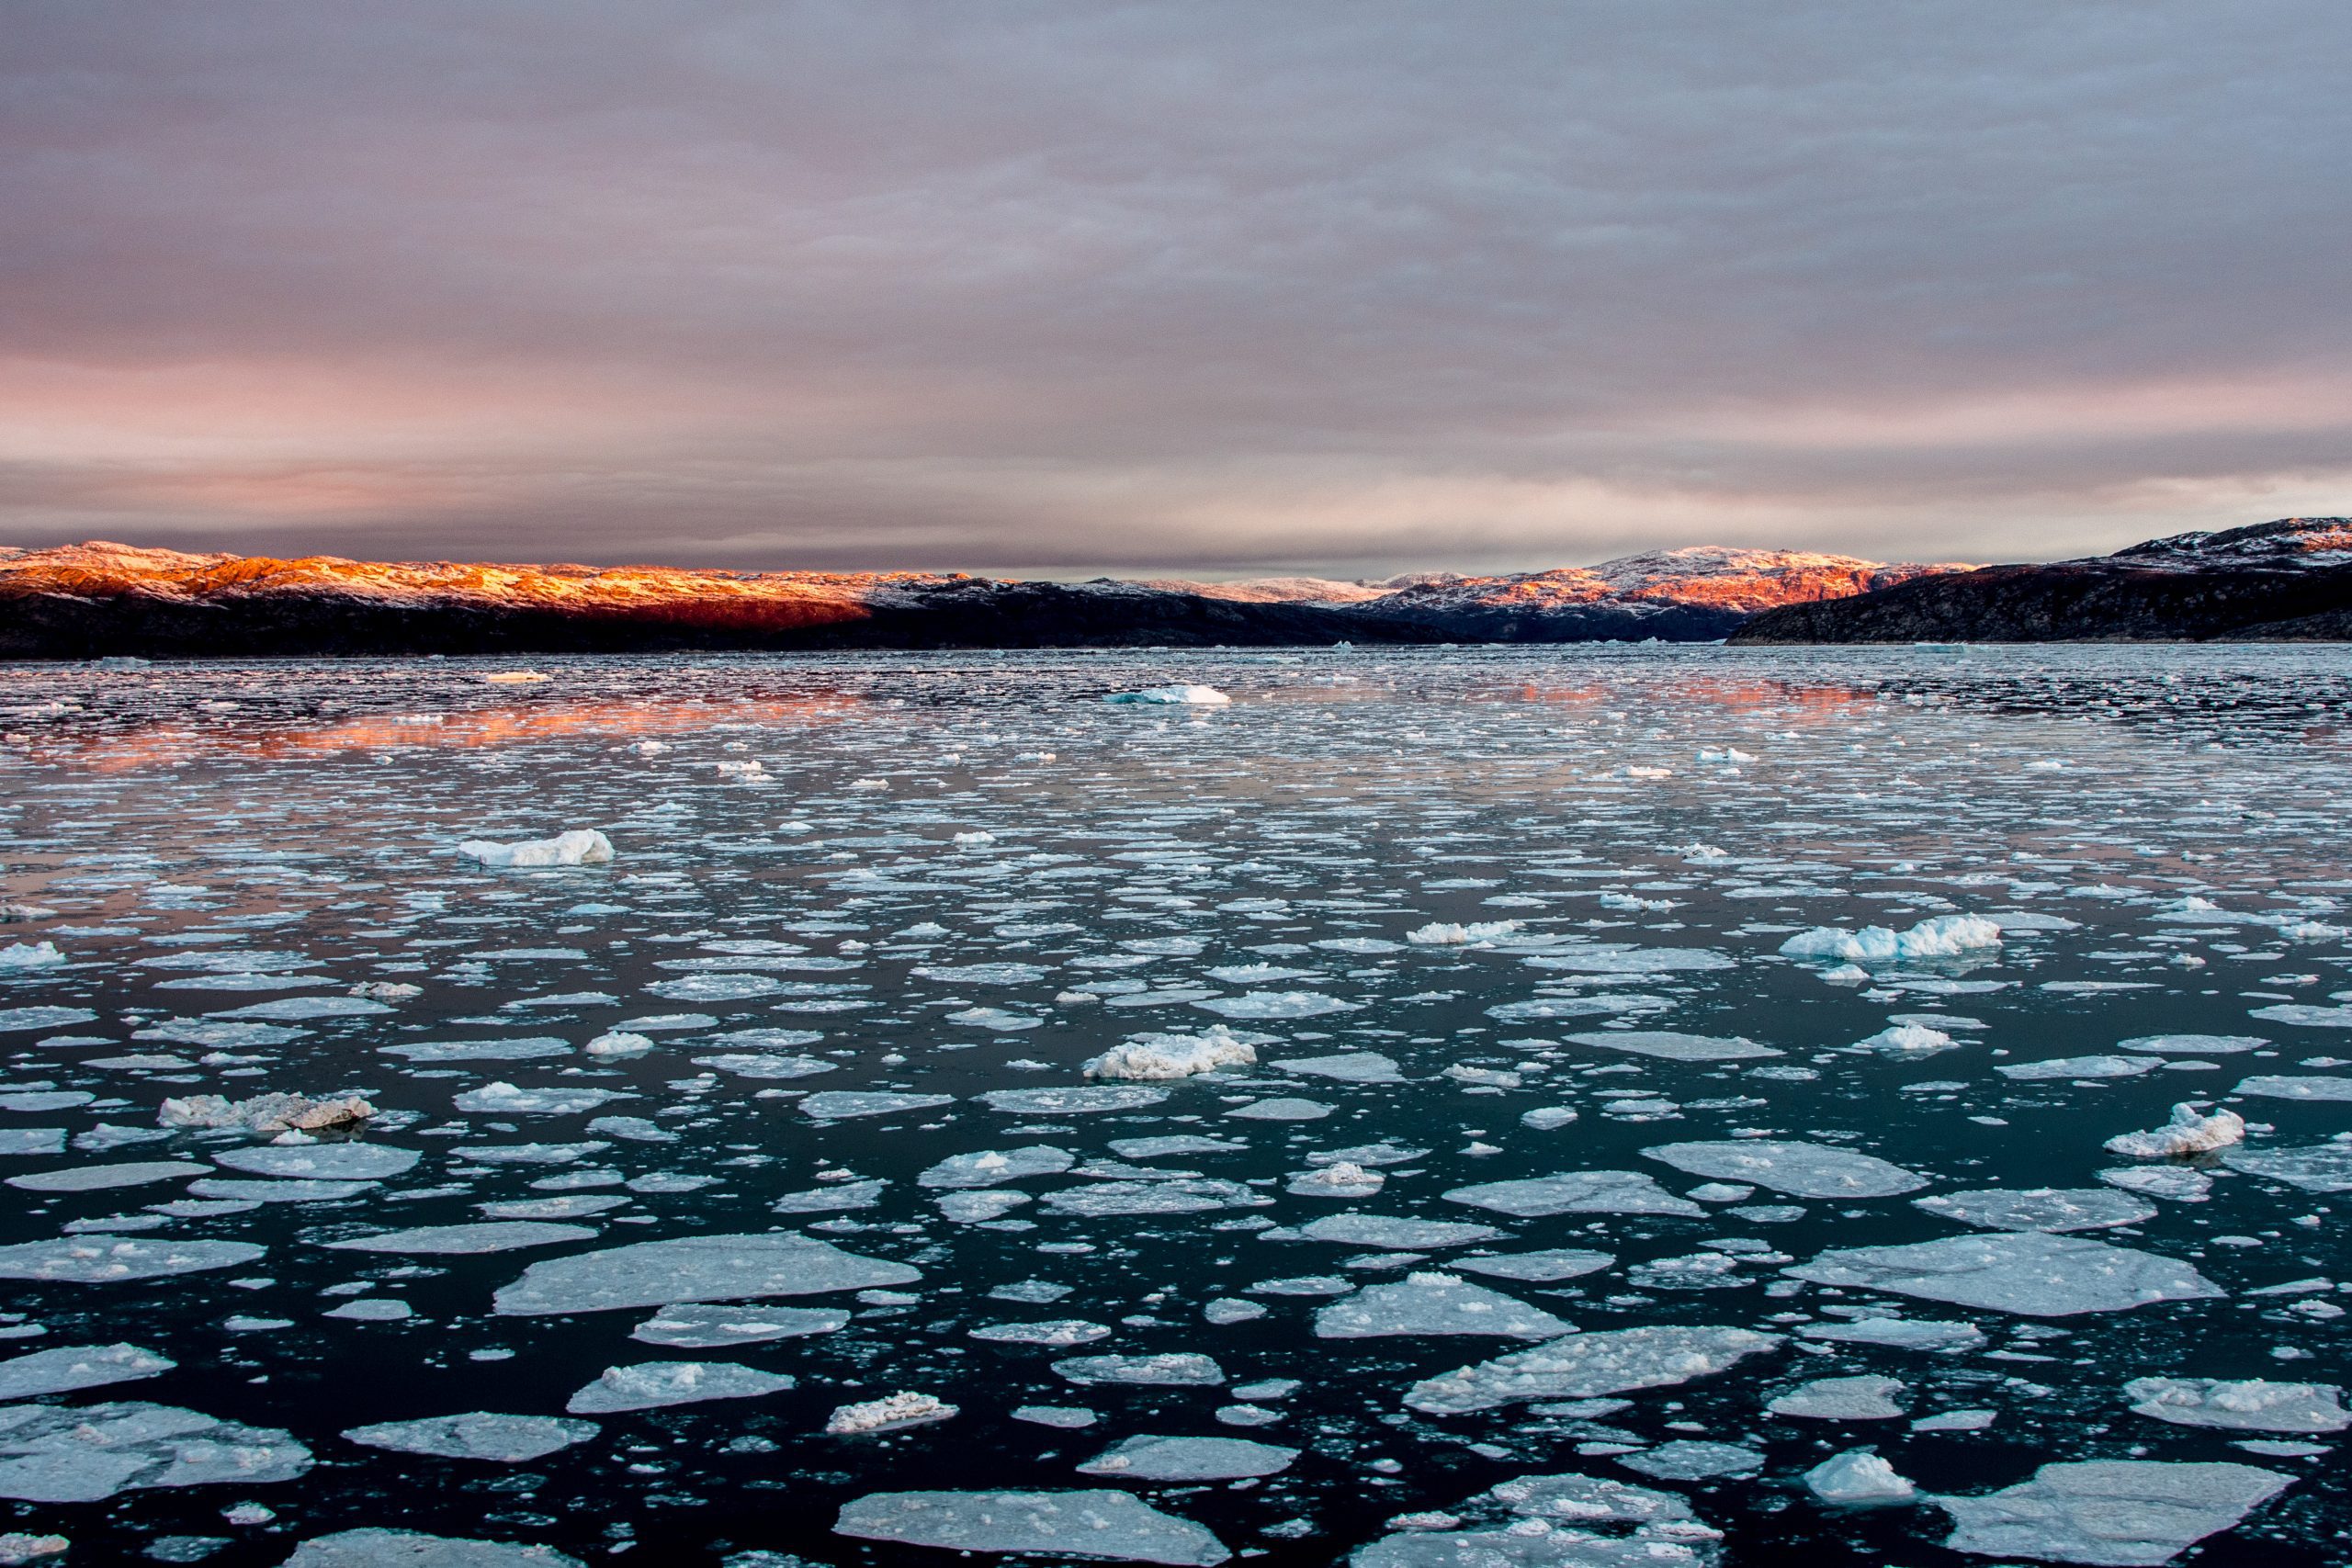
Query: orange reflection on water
<point x="171" y="742"/>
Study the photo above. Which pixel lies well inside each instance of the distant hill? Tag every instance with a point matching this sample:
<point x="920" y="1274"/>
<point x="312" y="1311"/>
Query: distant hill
<point x="2290" y="581"/>
<point x="99" y="599"/>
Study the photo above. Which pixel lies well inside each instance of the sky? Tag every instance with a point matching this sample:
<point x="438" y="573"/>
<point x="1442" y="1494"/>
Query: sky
<point x="1213" y="288"/>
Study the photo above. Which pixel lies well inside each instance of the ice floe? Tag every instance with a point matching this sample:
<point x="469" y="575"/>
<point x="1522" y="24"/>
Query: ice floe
<point x="2028" y="1272"/>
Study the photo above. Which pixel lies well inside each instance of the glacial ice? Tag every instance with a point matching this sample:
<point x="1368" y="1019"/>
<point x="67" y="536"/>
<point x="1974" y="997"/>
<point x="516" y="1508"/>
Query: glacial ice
<point x="1159" y="1056"/>
<point x="375" y="1547"/>
<point x="2038" y="1208"/>
<point x="2250" y="1406"/>
<point x="70" y="1367"/>
<point x="2108" y="1513"/>
<point x="1189" y="1459"/>
<point x="577" y="846"/>
<point x="1431" y="1304"/>
<point x="1574" y="1192"/>
<point x="88" y="1453"/>
<point x="2187" y="1133"/>
<point x="504" y="1440"/>
<point x="1581" y="1366"/>
<point x="1800" y="1169"/>
<point x="650" y="1385"/>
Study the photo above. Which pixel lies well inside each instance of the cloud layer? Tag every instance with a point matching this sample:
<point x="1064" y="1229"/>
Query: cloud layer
<point x="1206" y="287"/>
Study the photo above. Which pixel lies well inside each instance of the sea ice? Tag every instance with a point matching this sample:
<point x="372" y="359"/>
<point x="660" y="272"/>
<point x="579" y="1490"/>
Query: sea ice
<point x="1196" y="697"/>
<point x="98" y="1178"/>
<point x="1669" y="1045"/>
<point x="1347" y="1066"/>
<point x="87" y="1452"/>
<point x="1841" y="1399"/>
<point x="2039" y="1208"/>
<point x="2187" y="1133"/>
<point x="1189" y="1459"/>
<point x="1943" y="936"/>
<point x="1902" y="1333"/>
<point x="2079" y="1067"/>
<point x="2029" y="1272"/>
<point x="694" y="1269"/>
<point x="2193" y="1044"/>
<point x="505" y="1439"/>
<point x="842" y="1105"/>
<point x="2110" y="1513"/>
<point x="264" y="1113"/>
<point x="1686" y="1459"/>
<point x="1072" y="1102"/>
<point x="1179" y="1368"/>
<point x="2314" y="1086"/>
<point x="703" y="1326"/>
<point x="577" y="847"/>
<point x="107" y="1259"/>
<point x="1112" y="1525"/>
<point x="1581" y="1366"/>
<point x="374" y="1547"/>
<point x="990" y="1166"/>
<point x="2314" y="1168"/>
<point x="1434" y="1303"/>
<point x="1394" y="1235"/>
<point x="467" y="1240"/>
<point x="1575" y="1193"/>
<point x="327" y="1162"/>
<point x="1802" y="1169"/>
<point x="2252" y="1406"/>
<point x="1158" y="1056"/>
<point x="653" y="1384"/>
<point x="1274" y="1004"/>
<point x="1535" y="1268"/>
<point x="890" y="1414"/>
<point x="71" y="1367"/>
<point x="1859" y="1477"/>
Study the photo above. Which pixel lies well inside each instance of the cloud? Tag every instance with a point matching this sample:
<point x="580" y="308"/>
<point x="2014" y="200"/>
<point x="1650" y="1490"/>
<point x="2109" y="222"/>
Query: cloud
<point x="1163" y="286"/>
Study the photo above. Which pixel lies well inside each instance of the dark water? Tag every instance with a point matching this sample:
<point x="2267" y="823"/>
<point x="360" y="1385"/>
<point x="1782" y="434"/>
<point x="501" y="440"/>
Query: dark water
<point x="301" y="821"/>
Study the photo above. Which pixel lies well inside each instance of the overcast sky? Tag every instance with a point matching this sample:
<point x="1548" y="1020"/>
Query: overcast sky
<point x="1220" y="289"/>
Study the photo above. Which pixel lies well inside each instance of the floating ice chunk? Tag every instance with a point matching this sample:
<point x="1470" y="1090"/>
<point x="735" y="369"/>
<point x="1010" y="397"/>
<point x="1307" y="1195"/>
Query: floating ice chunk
<point x="1841" y="1399"/>
<point x="16" y="1019"/>
<point x="1902" y="1333"/>
<point x="1346" y="1067"/>
<point x="2315" y="1168"/>
<point x="1905" y="1040"/>
<point x="494" y="1235"/>
<point x="84" y="1453"/>
<point x="1547" y="1118"/>
<point x="98" y="1178"/>
<point x="889" y="1413"/>
<point x="1276" y="1004"/>
<point x="695" y="1268"/>
<point x="1158" y="1056"/>
<point x="1181" y="1197"/>
<point x="2079" y="1067"/>
<point x="635" y="1129"/>
<point x="1802" y="1169"/>
<point x="509" y="1099"/>
<point x="995" y="1019"/>
<point x="1179" y="1367"/>
<point x="2304" y="1016"/>
<point x="765" y="1065"/>
<point x="1189" y="1459"/>
<point x="329" y="1162"/>
<point x="2176" y="1182"/>
<point x="298" y="1009"/>
<point x="524" y="1048"/>
<point x="2194" y="1044"/>
<point x="700" y="1327"/>
<point x="2187" y="1133"/>
<point x="18" y="1547"/>
<point x="1072" y="1102"/>
<point x="577" y="847"/>
<point x="410" y="1549"/>
<point x="2312" y="1087"/>
<point x="2122" y="1513"/>
<point x="504" y="1440"/>
<point x="1341" y="1179"/>
<point x="2038" y="1208"/>
<point x="1434" y="1303"/>
<point x="374" y="1309"/>
<point x="982" y="974"/>
<point x="2252" y="1406"/>
<point x="1575" y="1193"/>
<point x="1393" y="1234"/>
<point x="71" y="1367"/>
<point x="1279" y="1109"/>
<point x="1535" y="1268"/>
<point x="1614" y="960"/>
<point x="1685" y="1460"/>
<point x="1942" y="936"/>
<point x="1859" y="1477"/>
<point x="1193" y="696"/>
<point x="277" y="1192"/>
<point x="1065" y="1418"/>
<point x="1111" y="1525"/>
<point x="32" y="1140"/>
<point x="653" y="1384"/>
<point x="1581" y="1366"/>
<point x="990" y="1167"/>
<point x="842" y="1105"/>
<point x="619" y="1042"/>
<point x="30" y="955"/>
<point x="2028" y="1272"/>
<point x="1439" y="935"/>
<point x="1673" y="1046"/>
<point x="96" y="1260"/>
<point x="1060" y="1332"/>
<point x="1224" y="1310"/>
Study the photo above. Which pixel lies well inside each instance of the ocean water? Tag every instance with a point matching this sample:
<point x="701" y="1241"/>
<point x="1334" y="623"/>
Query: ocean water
<point x="1554" y="1130"/>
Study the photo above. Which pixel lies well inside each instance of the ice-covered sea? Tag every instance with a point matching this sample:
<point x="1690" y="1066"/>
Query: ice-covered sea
<point x="1456" y="1106"/>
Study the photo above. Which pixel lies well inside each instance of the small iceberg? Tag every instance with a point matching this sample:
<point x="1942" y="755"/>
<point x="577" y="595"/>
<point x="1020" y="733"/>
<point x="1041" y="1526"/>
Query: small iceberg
<point x="581" y="846"/>
<point x="1193" y="696"/>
